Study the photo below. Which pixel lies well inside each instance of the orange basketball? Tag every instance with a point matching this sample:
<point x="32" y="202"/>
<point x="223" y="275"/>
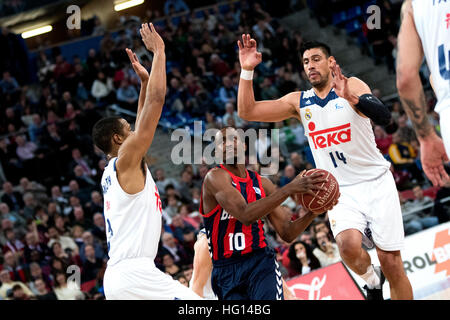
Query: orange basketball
<point x="322" y="198"/>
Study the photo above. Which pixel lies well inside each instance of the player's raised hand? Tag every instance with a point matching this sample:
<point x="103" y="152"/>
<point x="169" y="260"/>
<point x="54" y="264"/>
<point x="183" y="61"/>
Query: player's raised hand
<point x="137" y="66"/>
<point x="433" y="156"/>
<point x="249" y="57"/>
<point x="306" y="184"/>
<point x="340" y="82"/>
<point x="152" y="40"/>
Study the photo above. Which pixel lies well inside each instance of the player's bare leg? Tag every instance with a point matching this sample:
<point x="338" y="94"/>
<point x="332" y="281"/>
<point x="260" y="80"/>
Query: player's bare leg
<point x="355" y="257"/>
<point x="392" y="266"/>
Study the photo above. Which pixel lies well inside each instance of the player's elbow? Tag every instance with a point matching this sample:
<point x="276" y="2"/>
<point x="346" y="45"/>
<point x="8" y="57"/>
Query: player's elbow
<point x="244" y="112"/>
<point x="287" y="236"/>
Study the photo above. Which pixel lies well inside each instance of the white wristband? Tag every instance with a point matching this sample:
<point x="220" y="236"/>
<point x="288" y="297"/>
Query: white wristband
<point x="247" y="74"/>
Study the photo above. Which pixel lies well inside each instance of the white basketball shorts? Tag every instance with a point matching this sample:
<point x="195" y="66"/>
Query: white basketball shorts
<point x="374" y="204"/>
<point x="140" y="279"/>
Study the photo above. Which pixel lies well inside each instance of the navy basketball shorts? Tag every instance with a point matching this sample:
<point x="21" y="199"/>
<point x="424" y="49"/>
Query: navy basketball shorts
<point x="254" y="276"/>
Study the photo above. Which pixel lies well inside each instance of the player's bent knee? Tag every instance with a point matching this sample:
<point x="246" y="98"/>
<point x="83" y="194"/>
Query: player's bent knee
<point x="350" y="249"/>
<point x="391" y="264"/>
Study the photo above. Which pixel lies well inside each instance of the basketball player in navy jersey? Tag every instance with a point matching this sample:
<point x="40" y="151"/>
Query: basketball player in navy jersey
<point x="233" y="201"/>
<point x="336" y="115"/>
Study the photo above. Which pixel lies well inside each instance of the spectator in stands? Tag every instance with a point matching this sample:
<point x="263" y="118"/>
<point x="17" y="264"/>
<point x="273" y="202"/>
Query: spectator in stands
<point x="162" y="181"/>
<point x="102" y="88"/>
<point x="301" y="259"/>
<point x="415" y="218"/>
<point x="36" y="129"/>
<point x="227" y="92"/>
<point x="9" y="84"/>
<point x="288" y="175"/>
<point x="42" y="293"/>
<point x="67" y="257"/>
<point x="29" y="205"/>
<point x="170" y="267"/>
<point x="82" y="195"/>
<point x="89" y="240"/>
<point x="80" y="219"/>
<point x="178" y="227"/>
<point x="19" y="294"/>
<point x="66" y="242"/>
<point x="184" y="187"/>
<point x="79" y="159"/>
<point x="8" y="284"/>
<point x="96" y="203"/>
<point x="326" y="251"/>
<point x="382" y="139"/>
<point x="403" y="156"/>
<point x="231" y="117"/>
<point x="16" y="219"/>
<point x="91" y="264"/>
<point x="12" y="198"/>
<point x="99" y="230"/>
<point x="171" y="245"/>
<point x="37" y="274"/>
<point x="32" y="244"/>
<point x="127" y="95"/>
<point x="25" y="149"/>
<point x="67" y="290"/>
<point x="173" y="6"/>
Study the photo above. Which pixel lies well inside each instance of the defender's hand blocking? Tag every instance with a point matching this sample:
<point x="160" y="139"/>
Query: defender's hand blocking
<point x="432" y="155"/>
<point x="152" y="40"/>
<point x="340" y="84"/>
<point x="249" y="57"/>
<point x="137" y="66"/>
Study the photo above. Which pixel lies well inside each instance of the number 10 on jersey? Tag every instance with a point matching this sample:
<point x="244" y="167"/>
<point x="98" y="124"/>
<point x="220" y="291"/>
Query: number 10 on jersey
<point x="339" y="156"/>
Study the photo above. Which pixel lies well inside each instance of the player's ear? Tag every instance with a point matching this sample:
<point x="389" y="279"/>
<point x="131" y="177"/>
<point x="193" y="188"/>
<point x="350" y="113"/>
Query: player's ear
<point x="117" y="139"/>
<point x="331" y="60"/>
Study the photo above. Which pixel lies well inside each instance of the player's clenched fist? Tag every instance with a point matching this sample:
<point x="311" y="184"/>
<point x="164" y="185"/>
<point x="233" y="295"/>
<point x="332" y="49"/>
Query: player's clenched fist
<point x="152" y="40"/>
<point x="249" y="57"/>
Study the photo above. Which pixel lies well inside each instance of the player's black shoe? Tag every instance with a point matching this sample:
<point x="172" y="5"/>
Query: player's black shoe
<point x="376" y="293"/>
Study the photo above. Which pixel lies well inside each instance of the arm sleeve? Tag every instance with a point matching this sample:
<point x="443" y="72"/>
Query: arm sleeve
<point x="373" y="108"/>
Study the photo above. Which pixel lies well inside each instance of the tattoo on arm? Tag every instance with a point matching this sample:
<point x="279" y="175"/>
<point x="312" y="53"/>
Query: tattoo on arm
<point x="418" y="114"/>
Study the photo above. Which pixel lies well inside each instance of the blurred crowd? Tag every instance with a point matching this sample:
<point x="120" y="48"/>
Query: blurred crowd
<point x="51" y="208"/>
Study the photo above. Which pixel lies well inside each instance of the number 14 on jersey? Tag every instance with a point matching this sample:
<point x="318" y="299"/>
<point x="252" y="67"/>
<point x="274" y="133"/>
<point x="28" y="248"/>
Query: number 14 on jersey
<point x="339" y="156"/>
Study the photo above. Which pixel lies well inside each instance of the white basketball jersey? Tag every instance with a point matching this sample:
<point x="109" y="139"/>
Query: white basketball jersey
<point x="342" y="142"/>
<point x="432" y="20"/>
<point x="133" y="222"/>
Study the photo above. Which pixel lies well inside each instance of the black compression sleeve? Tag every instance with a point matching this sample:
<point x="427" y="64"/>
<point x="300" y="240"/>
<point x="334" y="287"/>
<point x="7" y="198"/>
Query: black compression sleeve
<point x="373" y="108"/>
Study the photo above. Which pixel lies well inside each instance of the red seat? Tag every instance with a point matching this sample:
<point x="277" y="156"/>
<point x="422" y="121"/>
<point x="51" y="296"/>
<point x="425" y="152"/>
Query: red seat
<point x="87" y="286"/>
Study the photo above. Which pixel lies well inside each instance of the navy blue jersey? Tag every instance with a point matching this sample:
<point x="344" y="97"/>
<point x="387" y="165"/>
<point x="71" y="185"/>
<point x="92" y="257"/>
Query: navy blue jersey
<point x="228" y="238"/>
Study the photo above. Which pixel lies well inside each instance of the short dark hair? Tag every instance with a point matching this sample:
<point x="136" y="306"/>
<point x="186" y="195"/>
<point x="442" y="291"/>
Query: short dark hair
<point x="315" y="44"/>
<point x="103" y="131"/>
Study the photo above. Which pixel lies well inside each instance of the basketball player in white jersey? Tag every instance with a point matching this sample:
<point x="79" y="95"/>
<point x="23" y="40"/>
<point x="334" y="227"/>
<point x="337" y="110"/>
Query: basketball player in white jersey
<point x="425" y="29"/>
<point x="336" y="115"/>
<point x="131" y="200"/>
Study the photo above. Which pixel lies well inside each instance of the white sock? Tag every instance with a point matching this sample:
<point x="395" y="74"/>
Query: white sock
<point x="371" y="278"/>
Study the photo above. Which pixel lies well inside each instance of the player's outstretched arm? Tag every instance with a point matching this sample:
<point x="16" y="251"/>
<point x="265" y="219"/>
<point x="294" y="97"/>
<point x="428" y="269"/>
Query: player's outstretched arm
<point x="142" y="73"/>
<point x="410" y="90"/>
<point x="218" y="185"/>
<point x="359" y="95"/>
<point x="137" y="144"/>
<point x="281" y="220"/>
<point x="202" y="265"/>
<point x="248" y="108"/>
